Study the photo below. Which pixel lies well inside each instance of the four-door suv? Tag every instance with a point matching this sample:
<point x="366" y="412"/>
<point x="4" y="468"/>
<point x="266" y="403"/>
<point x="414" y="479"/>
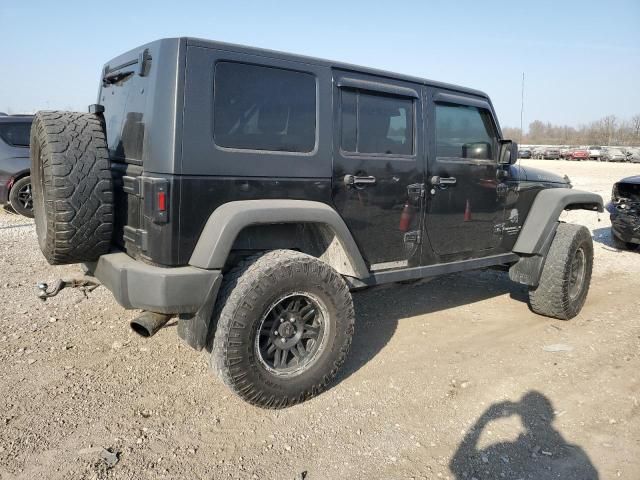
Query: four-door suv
<point x="247" y="191"/>
<point x="15" y="182"/>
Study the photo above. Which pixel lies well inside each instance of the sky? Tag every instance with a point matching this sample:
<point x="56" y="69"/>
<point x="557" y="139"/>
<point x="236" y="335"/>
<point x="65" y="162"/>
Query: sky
<point x="581" y="59"/>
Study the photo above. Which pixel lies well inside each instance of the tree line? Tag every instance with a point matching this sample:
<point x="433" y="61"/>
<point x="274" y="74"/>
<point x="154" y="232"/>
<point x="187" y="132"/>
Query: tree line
<point x="608" y="130"/>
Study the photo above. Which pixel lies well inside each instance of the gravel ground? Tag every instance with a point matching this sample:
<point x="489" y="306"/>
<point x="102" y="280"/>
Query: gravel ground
<point x="463" y="386"/>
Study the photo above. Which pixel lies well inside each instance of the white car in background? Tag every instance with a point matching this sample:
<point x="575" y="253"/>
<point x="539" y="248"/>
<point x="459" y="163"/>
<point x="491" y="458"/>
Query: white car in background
<point x="595" y="152"/>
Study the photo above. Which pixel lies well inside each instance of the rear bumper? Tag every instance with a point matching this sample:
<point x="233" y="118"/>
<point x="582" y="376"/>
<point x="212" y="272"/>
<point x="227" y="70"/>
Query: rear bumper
<point x="164" y="290"/>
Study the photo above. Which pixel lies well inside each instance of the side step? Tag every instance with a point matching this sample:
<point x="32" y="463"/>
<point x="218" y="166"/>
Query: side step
<point x="415" y="273"/>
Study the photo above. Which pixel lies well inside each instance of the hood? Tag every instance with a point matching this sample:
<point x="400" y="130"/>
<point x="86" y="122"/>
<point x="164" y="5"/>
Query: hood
<point x="634" y="179"/>
<point x="532" y="174"/>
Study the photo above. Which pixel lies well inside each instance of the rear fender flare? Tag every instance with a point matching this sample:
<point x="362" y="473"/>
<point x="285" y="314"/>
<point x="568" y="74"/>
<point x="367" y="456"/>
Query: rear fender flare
<point x="228" y="220"/>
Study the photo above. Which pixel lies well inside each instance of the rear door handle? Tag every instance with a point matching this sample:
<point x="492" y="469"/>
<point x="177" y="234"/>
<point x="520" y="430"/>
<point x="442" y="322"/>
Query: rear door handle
<point x="355" y="180"/>
<point x="443" y="181"/>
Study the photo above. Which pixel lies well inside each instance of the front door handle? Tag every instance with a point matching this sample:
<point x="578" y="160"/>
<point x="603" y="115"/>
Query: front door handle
<point x="443" y="181"/>
<point x="350" y="180"/>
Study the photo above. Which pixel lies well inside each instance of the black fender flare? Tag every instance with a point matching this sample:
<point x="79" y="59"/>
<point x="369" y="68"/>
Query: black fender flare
<point x="226" y="222"/>
<point x="540" y="228"/>
<point x="543" y="216"/>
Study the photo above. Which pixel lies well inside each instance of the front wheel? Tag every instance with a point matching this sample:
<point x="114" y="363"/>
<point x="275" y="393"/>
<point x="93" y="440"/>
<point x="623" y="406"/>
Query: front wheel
<point x="566" y="274"/>
<point x="284" y="326"/>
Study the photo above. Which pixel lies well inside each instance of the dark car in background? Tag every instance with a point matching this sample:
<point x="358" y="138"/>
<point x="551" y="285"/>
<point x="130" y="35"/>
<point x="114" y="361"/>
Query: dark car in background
<point x="15" y="180"/>
<point x="524" y="153"/>
<point x="552" y="154"/>
<point x="625" y="213"/>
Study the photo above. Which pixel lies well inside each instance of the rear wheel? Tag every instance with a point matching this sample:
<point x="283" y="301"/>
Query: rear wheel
<point x="284" y="326"/>
<point x="566" y="275"/>
<point x="21" y="197"/>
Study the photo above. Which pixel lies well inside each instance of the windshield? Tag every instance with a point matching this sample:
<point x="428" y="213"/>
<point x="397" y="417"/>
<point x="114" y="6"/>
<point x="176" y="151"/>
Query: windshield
<point x="16" y="134"/>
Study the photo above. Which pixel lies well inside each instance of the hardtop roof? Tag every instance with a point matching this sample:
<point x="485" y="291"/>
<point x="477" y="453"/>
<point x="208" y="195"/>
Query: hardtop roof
<point x="328" y="63"/>
<point x="16" y="118"/>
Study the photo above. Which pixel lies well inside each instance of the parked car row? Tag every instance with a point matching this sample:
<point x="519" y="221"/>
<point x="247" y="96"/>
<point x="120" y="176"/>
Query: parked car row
<point x="605" y="154"/>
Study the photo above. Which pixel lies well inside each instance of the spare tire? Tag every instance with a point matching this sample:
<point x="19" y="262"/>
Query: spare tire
<point x="72" y="186"/>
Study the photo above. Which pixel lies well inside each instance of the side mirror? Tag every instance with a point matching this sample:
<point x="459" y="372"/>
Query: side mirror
<point x="508" y="152"/>
<point x="477" y="151"/>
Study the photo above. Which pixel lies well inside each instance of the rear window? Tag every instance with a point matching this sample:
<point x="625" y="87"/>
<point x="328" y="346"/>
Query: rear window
<point x="15" y="134"/>
<point x="264" y="108"/>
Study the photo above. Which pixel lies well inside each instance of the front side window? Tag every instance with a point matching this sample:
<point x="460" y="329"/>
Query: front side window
<point x="464" y="132"/>
<point x="15" y="134"/>
<point x="264" y="108"/>
<point x="376" y="123"/>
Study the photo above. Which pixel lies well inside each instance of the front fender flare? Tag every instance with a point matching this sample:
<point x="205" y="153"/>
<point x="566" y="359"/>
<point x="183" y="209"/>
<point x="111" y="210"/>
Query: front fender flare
<point x="226" y="222"/>
<point x="545" y="212"/>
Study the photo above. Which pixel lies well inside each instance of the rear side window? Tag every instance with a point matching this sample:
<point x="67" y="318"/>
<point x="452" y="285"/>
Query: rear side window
<point x="264" y="108"/>
<point x="376" y="123"/>
<point x="15" y="134"/>
<point x="464" y="132"/>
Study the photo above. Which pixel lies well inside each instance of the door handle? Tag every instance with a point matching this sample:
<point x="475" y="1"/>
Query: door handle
<point x="350" y="180"/>
<point x="443" y="181"/>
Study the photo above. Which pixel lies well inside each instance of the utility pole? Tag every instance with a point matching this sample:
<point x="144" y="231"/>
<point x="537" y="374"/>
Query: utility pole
<point x="522" y="110"/>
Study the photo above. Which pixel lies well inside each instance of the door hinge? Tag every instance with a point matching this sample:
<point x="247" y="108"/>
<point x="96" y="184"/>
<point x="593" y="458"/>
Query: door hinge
<point x="416" y="190"/>
<point x="413" y="237"/>
<point x="136" y="236"/>
<point x="132" y="185"/>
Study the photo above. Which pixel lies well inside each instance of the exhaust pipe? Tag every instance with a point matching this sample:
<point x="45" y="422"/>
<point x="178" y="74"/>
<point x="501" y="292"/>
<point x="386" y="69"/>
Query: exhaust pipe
<point x="147" y="324"/>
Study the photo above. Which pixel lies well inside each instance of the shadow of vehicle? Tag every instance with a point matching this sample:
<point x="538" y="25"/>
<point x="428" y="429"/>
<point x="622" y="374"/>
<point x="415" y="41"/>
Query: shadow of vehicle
<point x="540" y="453"/>
<point x="379" y="309"/>
<point x="603" y="236"/>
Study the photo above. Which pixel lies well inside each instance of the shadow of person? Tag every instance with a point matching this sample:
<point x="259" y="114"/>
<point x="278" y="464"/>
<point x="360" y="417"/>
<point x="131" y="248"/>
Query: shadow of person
<point x="540" y="453"/>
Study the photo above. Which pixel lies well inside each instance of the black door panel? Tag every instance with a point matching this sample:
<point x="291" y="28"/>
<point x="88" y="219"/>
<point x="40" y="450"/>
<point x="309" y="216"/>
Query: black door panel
<point x="378" y="169"/>
<point x="466" y="200"/>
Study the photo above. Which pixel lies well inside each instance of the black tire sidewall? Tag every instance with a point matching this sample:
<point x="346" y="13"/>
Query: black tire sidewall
<point x="582" y="239"/>
<point x="37" y="187"/>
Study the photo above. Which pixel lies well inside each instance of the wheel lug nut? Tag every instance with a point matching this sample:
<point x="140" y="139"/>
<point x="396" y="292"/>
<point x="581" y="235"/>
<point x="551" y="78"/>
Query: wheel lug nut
<point x="283" y="340"/>
<point x="292" y="321"/>
<point x="276" y="332"/>
<point x="281" y="320"/>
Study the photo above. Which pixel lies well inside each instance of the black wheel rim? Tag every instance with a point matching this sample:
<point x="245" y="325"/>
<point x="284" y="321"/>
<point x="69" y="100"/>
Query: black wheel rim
<point x="577" y="273"/>
<point x="25" y="197"/>
<point x="292" y="334"/>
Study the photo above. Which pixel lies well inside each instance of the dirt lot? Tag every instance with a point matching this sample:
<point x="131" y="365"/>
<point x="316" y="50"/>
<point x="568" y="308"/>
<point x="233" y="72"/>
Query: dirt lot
<point x="448" y="379"/>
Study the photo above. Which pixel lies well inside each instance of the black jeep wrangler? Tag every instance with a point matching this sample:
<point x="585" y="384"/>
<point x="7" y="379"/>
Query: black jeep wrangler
<point x="247" y="191"/>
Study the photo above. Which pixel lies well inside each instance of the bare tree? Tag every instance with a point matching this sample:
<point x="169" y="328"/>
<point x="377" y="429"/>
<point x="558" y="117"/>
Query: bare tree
<point x="635" y="126"/>
<point x="608" y="130"/>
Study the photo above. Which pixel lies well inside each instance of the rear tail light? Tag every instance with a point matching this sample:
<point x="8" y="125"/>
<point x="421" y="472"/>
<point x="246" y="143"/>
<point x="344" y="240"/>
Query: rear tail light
<point x="162" y="201"/>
